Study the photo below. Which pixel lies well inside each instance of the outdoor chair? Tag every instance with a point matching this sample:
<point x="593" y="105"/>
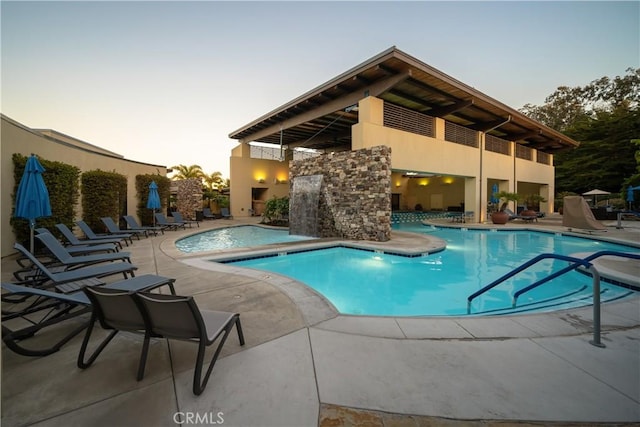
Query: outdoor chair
<point x="133" y="225"/>
<point x="45" y="308"/>
<point x="114" y="229"/>
<point x="44" y="277"/>
<point x="177" y="216"/>
<point x="82" y="249"/>
<point x="88" y="232"/>
<point x="158" y="316"/>
<point x="63" y="257"/>
<point x="73" y="239"/>
<point x="207" y="214"/>
<point x="178" y="317"/>
<point x="162" y="221"/>
<point x="225" y="213"/>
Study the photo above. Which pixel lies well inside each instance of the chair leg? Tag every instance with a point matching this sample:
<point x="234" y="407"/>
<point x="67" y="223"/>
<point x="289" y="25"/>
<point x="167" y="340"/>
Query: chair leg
<point x="143" y="357"/>
<point x="85" y="364"/>
<point x="200" y="384"/>
<point x="239" y="329"/>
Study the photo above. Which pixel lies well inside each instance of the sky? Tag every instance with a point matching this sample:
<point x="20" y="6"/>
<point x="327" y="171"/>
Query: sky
<point x="167" y="82"/>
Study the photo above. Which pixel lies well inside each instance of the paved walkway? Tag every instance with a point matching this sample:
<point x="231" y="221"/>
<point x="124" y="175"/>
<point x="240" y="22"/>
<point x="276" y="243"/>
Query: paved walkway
<point x="305" y="365"/>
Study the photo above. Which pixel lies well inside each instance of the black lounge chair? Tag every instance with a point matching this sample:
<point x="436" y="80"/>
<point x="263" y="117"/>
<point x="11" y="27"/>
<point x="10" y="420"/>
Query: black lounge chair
<point x="162" y="221"/>
<point x="82" y="249"/>
<point x="225" y="213"/>
<point x="160" y="316"/>
<point x="113" y="228"/>
<point x="207" y="214"/>
<point x="73" y="239"/>
<point x="62" y="280"/>
<point x="133" y="225"/>
<point x="47" y="308"/>
<point x="65" y="258"/>
<point x="177" y="217"/>
<point x="88" y="232"/>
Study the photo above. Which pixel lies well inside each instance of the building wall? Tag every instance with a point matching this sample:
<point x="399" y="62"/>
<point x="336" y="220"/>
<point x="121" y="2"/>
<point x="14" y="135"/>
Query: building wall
<point x="462" y="174"/>
<point x="254" y="181"/>
<point x="17" y="138"/>
<point x="468" y="168"/>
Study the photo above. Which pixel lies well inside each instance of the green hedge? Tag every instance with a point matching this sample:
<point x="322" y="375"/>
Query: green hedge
<point x="103" y="194"/>
<point x="62" y="181"/>
<point x="142" y="192"/>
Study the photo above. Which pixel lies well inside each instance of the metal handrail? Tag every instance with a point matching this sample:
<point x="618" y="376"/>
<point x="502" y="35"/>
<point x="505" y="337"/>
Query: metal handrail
<point x="576" y="263"/>
<point x="571" y="267"/>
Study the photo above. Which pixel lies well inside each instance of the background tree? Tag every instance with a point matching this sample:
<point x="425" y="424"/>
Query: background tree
<point x="187" y="172"/>
<point x="604" y="116"/>
<point x="214" y="180"/>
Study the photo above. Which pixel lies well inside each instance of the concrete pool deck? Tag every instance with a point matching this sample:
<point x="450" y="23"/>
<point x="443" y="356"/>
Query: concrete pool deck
<point x="305" y="365"/>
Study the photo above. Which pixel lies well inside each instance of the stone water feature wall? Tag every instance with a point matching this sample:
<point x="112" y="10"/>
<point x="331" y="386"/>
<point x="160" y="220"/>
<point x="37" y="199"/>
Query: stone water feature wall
<point x="355" y="197"/>
<point x="189" y="197"/>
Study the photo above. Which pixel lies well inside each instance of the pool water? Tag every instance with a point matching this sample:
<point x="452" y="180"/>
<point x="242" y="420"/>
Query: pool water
<point x="236" y="237"/>
<point x="371" y="283"/>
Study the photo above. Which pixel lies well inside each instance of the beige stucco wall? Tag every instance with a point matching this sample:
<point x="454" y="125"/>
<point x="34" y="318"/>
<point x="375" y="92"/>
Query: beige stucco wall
<point x="17" y="138"/>
<point x="470" y="169"/>
<point x="246" y="174"/>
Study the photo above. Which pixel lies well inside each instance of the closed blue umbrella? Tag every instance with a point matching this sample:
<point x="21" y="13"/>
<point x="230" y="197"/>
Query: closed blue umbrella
<point x="154" y="199"/>
<point x="494" y="191"/>
<point x="630" y="198"/>
<point x="32" y="198"/>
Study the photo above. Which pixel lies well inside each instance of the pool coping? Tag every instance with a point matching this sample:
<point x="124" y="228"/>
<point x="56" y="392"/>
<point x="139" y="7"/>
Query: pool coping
<point x="318" y="312"/>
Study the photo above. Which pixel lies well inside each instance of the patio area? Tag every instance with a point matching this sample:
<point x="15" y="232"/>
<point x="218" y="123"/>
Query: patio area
<point x="305" y="365"/>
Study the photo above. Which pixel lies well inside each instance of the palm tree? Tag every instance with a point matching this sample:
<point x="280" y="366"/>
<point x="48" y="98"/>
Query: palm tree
<point x="214" y="181"/>
<point x="187" y="172"/>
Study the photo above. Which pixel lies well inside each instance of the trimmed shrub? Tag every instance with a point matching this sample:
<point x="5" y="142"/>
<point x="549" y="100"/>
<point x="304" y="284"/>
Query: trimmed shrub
<point x="142" y="194"/>
<point x="103" y="194"/>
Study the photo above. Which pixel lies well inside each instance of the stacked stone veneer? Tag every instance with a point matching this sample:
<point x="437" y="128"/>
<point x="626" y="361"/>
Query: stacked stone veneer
<point x="189" y="197"/>
<point x="355" y="197"/>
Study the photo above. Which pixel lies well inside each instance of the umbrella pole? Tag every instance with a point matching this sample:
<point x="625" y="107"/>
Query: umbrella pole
<point x="31" y="227"/>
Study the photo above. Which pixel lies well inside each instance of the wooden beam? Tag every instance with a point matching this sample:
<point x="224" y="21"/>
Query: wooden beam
<point x="448" y="109"/>
<point x="329" y="107"/>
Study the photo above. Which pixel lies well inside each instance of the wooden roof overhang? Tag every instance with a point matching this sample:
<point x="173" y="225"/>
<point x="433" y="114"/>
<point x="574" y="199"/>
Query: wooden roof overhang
<point x="322" y="118"/>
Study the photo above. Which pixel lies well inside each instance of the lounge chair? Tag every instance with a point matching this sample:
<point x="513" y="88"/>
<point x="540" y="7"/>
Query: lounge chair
<point x="225" y="213"/>
<point x="162" y="221"/>
<point x="70" y="261"/>
<point x="88" y="232"/>
<point x="207" y="214"/>
<point x="47" y="308"/>
<point x="68" y="281"/>
<point x="133" y="225"/>
<point x="83" y="249"/>
<point x="160" y="316"/>
<point x="114" y="229"/>
<point x="73" y="239"/>
<point x="177" y="216"/>
<point x="525" y="218"/>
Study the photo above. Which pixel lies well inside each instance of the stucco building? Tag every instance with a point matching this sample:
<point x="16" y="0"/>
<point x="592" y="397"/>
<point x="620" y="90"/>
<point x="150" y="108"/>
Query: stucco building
<point x="450" y="144"/>
<point x="55" y="146"/>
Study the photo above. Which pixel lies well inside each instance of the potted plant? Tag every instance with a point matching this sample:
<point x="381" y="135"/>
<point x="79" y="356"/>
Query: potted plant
<point x="532" y="204"/>
<point x="500" y="216"/>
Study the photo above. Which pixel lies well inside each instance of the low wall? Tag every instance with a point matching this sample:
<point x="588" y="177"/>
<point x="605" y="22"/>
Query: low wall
<point x="355" y="196"/>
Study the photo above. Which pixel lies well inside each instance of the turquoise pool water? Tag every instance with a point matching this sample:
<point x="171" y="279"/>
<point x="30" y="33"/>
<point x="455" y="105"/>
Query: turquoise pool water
<point x="235" y="237"/>
<point x="370" y="283"/>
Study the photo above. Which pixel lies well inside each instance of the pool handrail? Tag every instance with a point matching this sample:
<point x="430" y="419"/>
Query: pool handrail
<point x="569" y="268"/>
<point x="576" y="263"/>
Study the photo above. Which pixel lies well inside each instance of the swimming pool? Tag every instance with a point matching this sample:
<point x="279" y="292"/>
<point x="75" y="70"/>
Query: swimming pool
<point x="235" y="237"/>
<point x="373" y="283"/>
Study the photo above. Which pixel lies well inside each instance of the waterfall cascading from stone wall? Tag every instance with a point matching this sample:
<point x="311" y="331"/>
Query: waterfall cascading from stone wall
<point x="303" y="205"/>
